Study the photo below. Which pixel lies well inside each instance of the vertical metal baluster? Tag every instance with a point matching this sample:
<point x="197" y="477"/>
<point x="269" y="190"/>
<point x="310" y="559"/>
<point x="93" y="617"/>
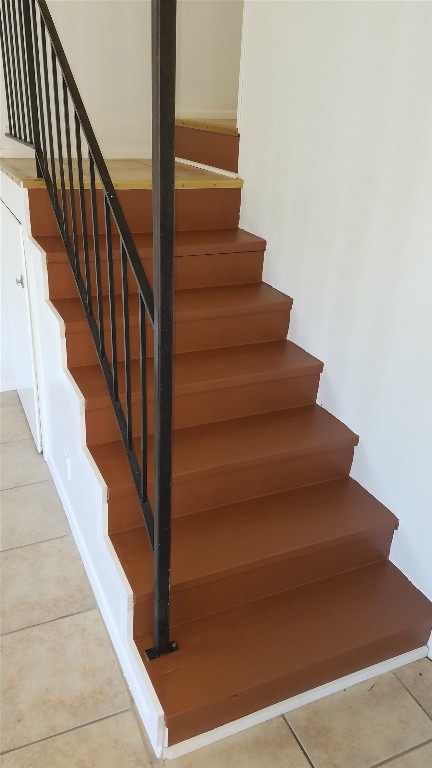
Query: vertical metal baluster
<point x="32" y="93"/>
<point x="163" y="101"/>
<point x="4" y="43"/>
<point x="97" y="256"/>
<point x="14" y="79"/>
<point x="26" y="72"/>
<point x="126" y="341"/>
<point x="111" y="292"/>
<point x="75" y="264"/>
<point x="37" y="70"/>
<point x="59" y="143"/>
<point x="83" y="213"/>
<point x="19" y="53"/>
<point x="143" y="383"/>
<point x="48" y="114"/>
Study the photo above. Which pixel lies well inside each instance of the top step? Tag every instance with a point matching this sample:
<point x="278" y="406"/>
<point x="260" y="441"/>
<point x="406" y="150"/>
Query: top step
<point x="209" y="142"/>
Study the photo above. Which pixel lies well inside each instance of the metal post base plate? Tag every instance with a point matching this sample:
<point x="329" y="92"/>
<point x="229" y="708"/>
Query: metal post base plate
<point x="156" y="653"/>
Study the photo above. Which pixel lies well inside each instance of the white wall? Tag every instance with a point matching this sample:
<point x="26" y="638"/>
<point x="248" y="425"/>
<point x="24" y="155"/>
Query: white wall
<point x="336" y="154"/>
<point x="209" y="42"/>
<point x="108" y="46"/>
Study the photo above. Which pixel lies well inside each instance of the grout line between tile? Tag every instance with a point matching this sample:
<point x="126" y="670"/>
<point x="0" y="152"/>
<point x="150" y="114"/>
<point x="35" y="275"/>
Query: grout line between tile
<point x="22" y="485"/>
<point x="412" y="695"/>
<point x="25" y="485"/>
<point x="402" y="754"/>
<point x="68" y="730"/>
<point x="21" y="440"/>
<point x="298" y="742"/>
<point x="49" y="621"/>
<point x="33" y="543"/>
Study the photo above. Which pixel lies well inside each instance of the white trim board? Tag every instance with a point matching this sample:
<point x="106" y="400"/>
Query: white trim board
<point x="276" y="710"/>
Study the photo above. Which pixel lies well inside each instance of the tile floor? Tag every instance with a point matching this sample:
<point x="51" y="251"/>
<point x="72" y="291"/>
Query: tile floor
<point x="65" y="703"/>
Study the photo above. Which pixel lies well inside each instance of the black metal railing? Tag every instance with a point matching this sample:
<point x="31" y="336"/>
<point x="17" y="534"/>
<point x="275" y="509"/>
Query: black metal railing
<point x="45" y="112"/>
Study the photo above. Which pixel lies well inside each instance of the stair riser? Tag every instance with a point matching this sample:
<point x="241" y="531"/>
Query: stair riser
<point x="196" y="209"/>
<point x="189" y="336"/>
<point x="219" y="150"/>
<point x="268" y="578"/>
<point x="210" y="406"/>
<point x="189" y="272"/>
<point x="238" y="485"/>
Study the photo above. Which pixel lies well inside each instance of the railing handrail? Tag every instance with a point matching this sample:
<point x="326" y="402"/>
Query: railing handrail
<point x="23" y="40"/>
<point x="99" y="161"/>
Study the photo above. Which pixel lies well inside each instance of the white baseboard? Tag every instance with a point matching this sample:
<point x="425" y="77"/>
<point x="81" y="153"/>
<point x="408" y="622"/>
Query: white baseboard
<point x="204" y="167"/>
<point x="204" y="739"/>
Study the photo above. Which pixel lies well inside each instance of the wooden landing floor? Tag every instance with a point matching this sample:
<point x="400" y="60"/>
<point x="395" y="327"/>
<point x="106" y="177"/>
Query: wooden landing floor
<point x="125" y="173"/>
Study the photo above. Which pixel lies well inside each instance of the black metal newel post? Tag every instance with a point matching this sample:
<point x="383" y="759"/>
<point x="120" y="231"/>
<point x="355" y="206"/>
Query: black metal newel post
<point x="34" y="110"/>
<point x="163" y="171"/>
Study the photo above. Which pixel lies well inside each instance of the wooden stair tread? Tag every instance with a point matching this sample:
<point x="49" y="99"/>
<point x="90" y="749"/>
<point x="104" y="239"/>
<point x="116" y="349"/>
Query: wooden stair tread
<point x="207" y="369"/>
<point x="126" y="174"/>
<point x="193" y="304"/>
<point x="212" y="125"/>
<point x="229" y="539"/>
<point x="190" y="243"/>
<point x="207" y="449"/>
<point x="248" y="657"/>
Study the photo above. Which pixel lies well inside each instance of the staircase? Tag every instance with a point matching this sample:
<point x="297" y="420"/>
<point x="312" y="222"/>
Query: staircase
<point x="280" y="578"/>
<point x="280" y="575"/>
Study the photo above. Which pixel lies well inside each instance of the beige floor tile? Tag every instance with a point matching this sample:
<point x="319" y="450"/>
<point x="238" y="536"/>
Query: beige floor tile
<point x="417" y="677"/>
<point x="42" y="582"/>
<point x="269" y="745"/>
<point x="21" y="464"/>
<point x="13" y="424"/>
<point x="362" y="726"/>
<point x="111" y="743"/>
<point x="58" y="676"/>
<point x="30" y="514"/>
<point x="419" y="758"/>
<point x="9" y="398"/>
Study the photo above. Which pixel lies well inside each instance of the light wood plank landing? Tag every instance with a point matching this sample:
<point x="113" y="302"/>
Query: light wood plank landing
<point x="216" y="126"/>
<point x="125" y="174"/>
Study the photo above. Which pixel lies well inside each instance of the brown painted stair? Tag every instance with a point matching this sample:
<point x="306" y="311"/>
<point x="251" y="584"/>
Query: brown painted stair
<point x="280" y="573"/>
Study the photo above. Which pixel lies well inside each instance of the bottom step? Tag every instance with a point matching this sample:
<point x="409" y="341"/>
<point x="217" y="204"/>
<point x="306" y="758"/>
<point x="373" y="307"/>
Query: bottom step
<point x="234" y="663"/>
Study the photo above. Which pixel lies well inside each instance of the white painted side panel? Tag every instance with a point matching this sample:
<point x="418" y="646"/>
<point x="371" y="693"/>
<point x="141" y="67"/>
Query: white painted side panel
<point x="19" y="322"/>
<point x="83" y="494"/>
